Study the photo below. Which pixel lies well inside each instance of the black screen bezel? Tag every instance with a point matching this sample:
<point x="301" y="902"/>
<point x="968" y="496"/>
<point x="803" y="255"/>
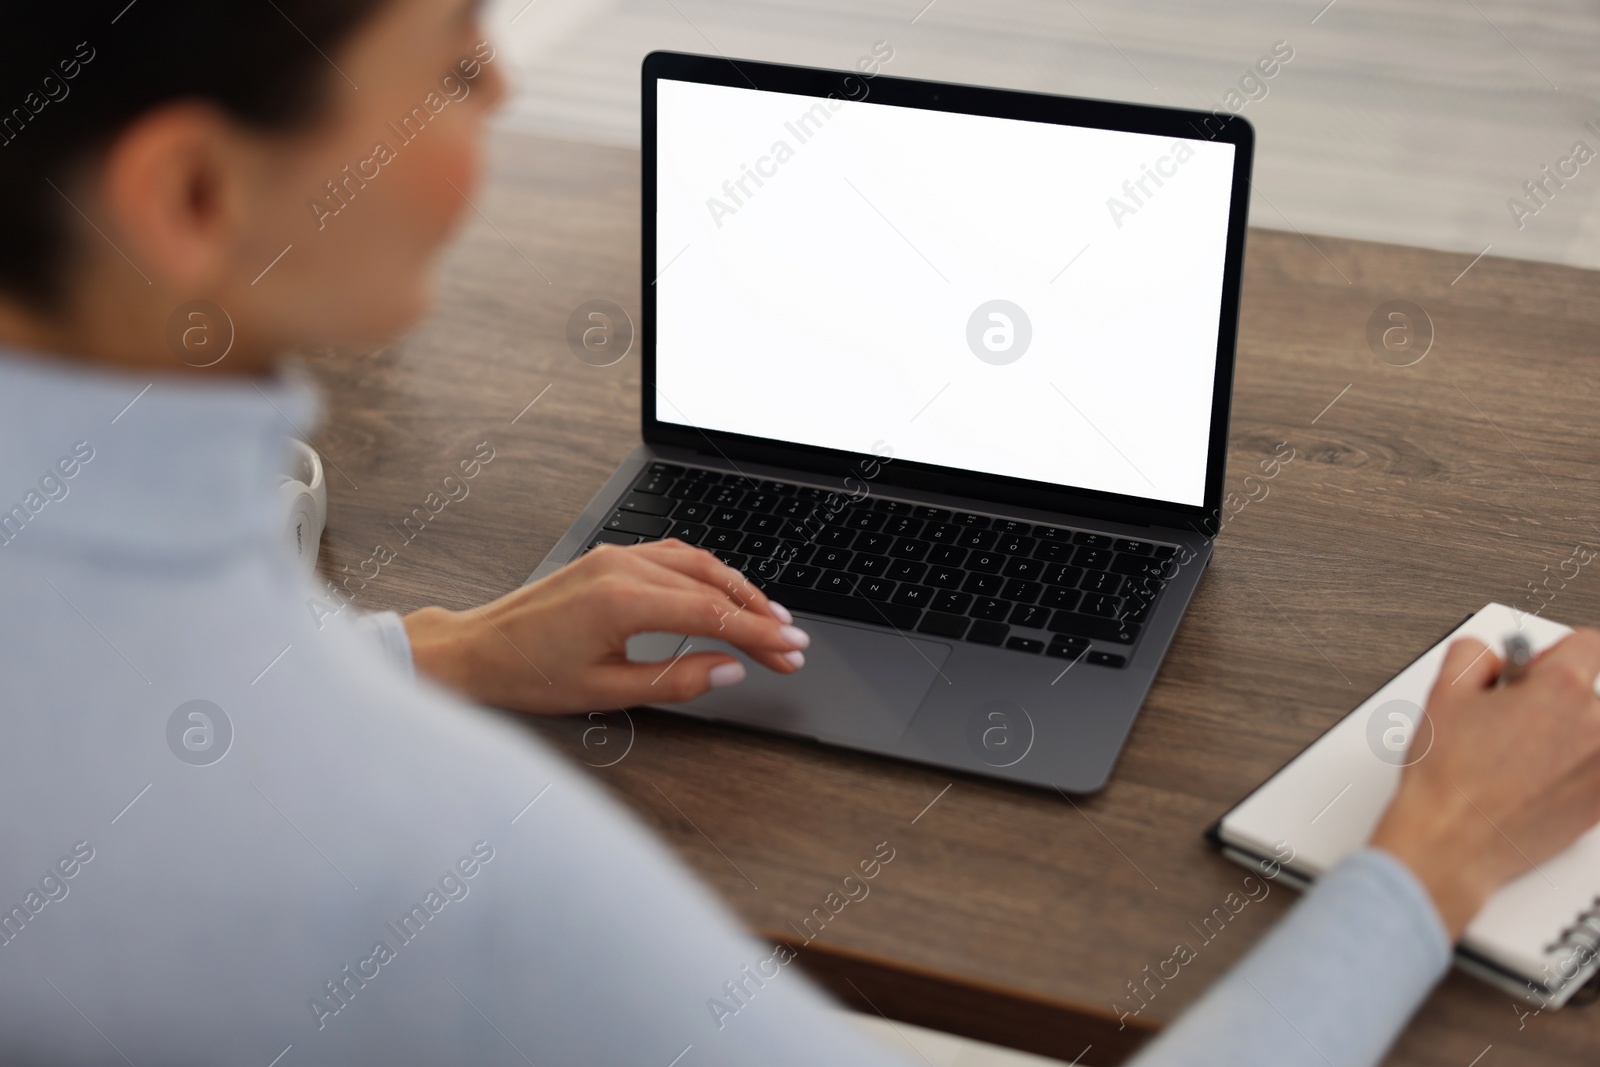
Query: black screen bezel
<point x="971" y="100"/>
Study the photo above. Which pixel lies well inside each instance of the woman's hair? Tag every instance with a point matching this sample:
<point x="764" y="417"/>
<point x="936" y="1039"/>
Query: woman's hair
<point x="75" y="73"/>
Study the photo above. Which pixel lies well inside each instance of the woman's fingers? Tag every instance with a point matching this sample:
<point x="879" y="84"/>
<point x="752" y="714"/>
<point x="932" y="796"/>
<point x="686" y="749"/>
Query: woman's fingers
<point x="1569" y="667"/>
<point x="632" y="607"/>
<point x="699" y="564"/>
<point x="669" y="681"/>
<point x="1468" y="665"/>
<point x="686" y="569"/>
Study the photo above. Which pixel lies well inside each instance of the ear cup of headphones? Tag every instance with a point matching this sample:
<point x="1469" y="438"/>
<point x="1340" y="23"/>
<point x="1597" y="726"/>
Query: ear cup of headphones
<point x="304" y="493"/>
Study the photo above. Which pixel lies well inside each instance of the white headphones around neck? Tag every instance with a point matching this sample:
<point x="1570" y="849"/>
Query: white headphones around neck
<point x="305" y="496"/>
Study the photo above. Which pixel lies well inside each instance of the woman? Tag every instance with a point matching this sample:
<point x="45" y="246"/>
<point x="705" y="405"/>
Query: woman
<point x="237" y="833"/>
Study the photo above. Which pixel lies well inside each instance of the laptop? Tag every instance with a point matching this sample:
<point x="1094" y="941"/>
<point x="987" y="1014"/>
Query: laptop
<point x="945" y="370"/>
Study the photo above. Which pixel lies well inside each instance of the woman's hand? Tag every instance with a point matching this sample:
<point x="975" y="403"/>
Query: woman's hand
<point x="1513" y="776"/>
<point x="558" y="645"/>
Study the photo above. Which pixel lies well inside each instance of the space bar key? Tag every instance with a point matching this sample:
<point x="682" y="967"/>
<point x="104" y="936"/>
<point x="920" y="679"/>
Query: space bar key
<point x="900" y="616"/>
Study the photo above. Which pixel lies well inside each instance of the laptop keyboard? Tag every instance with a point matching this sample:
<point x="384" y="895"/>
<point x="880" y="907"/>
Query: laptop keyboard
<point x="1047" y="590"/>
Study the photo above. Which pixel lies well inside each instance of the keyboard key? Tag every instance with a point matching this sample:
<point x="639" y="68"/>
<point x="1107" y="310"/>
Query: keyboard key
<point x="943" y="625"/>
<point x="800" y="574"/>
<point x="875" y="588"/>
<point x="1061" y="574"/>
<point x="1030" y="615"/>
<point x="765" y="524"/>
<point x="1018" y="567"/>
<point x="1093" y="540"/>
<point x="967" y="518"/>
<point x="737" y="560"/>
<point x="1101" y="582"/>
<point x="1106" y="659"/>
<point x="835" y="537"/>
<point x="1056" y="597"/>
<point x="869" y="541"/>
<point x="793" y="508"/>
<point x="905" y="570"/>
<point x="1100" y="604"/>
<point x="700" y="474"/>
<point x="1020" y="592"/>
<point x="946" y="577"/>
<point x="1025" y="644"/>
<point x="942" y="533"/>
<point x="725" y="496"/>
<point x="643" y="525"/>
<point x="1142" y="566"/>
<point x="1054" y="551"/>
<point x="951" y="601"/>
<point x="1009" y="526"/>
<point x="819" y="602"/>
<point x="1052" y="533"/>
<point x="724" y="539"/>
<point x="1137" y="548"/>
<point x="947" y="555"/>
<point x="988" y="633"/>
<point x="987" y="607"/>
<point x="796" y="551"/>
<point x="916" y="596"/>
<point x="862" y="519"/>
<point x="987" y="562"/>
<point x="892" y="507"/>
<point x="1063" y="647"/>
<point x="1134" y="587"/>
<point x="612" y="537"/>
<point x="927" y="514"/>
<point x="727" y="518"/>
<point x="1095" y="559"/>
<point x="662" y="467"/>
<point x="836" y="582"/>
<point x="975" y="538"/>
<point x="1012" y="545"/>
<point x="903" y="526"/>
<point x="831" y="558"/>
<point x="759" y="545"/>
<point x="866" y="563"/>
<point x="688" y="511"/>
<point x="655" y="482"/>
<point x="909" y="548"/>
<point x="983" y="584"/>
<point x="777" y="488"/>
<point x="690" y="533"/>
<point x="1134" y="611"/>
<point x="1164" y="552"/>
<point x="1092" y="626"/>
<point x="684" y="489"/>
<point x="795" y="530"/>
<point x="764" y="570"/>
<point x="759" y="501"/>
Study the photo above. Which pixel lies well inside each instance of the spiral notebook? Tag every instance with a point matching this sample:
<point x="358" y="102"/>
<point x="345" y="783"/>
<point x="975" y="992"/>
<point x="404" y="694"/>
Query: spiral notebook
<point x="1538" y="937"/>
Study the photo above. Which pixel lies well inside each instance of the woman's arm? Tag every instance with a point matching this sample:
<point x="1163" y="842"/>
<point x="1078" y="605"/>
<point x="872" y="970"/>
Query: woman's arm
<point x="1332" y="986"/>
<point x="1513" y="777"/>
<point x="559" y="645"/>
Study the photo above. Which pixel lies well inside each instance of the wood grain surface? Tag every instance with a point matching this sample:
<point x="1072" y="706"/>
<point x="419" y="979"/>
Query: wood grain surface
<point x="1415" y="494"/>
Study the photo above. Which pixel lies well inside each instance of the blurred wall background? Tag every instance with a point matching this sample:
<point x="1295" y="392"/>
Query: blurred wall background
<point x="1408" y="121"/>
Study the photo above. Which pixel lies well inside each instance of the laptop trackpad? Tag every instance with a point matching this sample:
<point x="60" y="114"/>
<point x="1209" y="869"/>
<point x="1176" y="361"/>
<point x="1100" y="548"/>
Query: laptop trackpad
<point x="858" y="685"/>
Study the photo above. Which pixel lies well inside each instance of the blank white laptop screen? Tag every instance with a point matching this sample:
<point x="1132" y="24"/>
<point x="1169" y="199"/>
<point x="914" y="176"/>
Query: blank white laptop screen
<point x="994" y="295"/>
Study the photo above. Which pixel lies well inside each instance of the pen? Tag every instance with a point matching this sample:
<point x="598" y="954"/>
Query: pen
<point x="1518" y="654"/>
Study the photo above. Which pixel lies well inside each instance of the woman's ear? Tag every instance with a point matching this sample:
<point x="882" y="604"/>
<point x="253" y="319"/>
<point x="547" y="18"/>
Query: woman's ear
<point x="173" y="184"/>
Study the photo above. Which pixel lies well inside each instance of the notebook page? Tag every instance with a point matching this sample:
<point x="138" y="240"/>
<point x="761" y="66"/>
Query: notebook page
<point x="1326" y="803"/>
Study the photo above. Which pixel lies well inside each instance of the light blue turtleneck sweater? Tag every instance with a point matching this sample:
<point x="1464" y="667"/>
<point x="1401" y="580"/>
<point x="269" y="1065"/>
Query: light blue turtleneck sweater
<point x="336" y="863"/>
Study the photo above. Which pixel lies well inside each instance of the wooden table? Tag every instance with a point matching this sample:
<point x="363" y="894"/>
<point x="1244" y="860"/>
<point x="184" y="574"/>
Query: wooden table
<point x="1415" y="494"/>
